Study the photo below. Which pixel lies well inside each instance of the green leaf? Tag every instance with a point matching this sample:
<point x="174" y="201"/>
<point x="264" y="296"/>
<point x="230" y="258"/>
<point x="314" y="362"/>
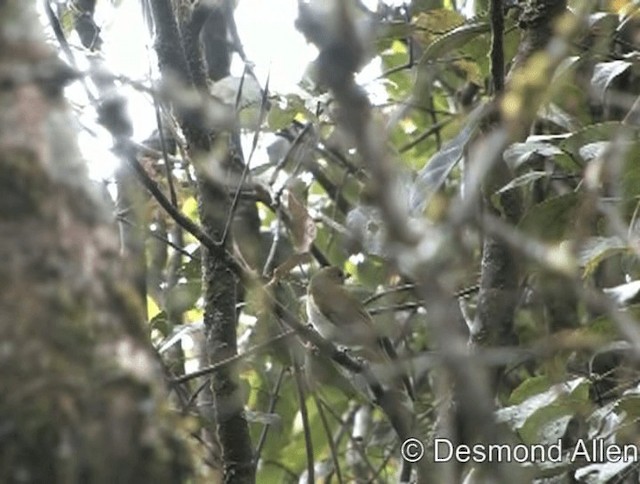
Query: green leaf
<point x="604" y="73"/>
<point x="432" y="24"/>
<point x="283" y="112"/>
<point x="551" y="219"/>
<point x="437" y="169"/>
<point x="548" y="423"/>
<point x="270" y="471"/>
<point x="630" y="405"/>
<point x="279" y="118"/>
<point x="371" y="272"/>
<point x="519" y="153"/>
<point x="595" y="250"/>
<point x="523" y="180"/>
<point x="400" y="83"/>
<point x="417" y="6"/>
<point x="589" y="134"/>
<point x="528" y="388"/>
<point x="67" y="20"/>
<point x="452" y="40"/>
<point x="516" y="415"/>
<point x="555" y="114"/>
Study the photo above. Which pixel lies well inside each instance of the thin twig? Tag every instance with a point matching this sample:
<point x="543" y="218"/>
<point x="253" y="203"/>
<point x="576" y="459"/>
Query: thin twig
<point x="245" y="168"/>
<point x="165" y="155"/>
<point x="233" y="359"/>
<point x="332" y="445"/>
<point x="159" y="237"/>
<point x="386" y="292"/>
<point x="266" y="271"/>
<point x="275" y="394"/>
<point x="306" y="427"/>
<point x="183" y="220"/>
<point x="434" y="129"/>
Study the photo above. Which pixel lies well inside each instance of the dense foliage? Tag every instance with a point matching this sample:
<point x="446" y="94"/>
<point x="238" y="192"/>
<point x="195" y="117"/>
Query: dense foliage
<point x="449" y="196"/>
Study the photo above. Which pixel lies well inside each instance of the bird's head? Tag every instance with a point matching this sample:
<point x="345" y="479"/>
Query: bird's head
<point x="328" y="276"/>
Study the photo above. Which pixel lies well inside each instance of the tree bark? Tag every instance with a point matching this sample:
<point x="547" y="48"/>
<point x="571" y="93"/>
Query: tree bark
<point x="81" y="388"/>
<point x="179" y="54"/>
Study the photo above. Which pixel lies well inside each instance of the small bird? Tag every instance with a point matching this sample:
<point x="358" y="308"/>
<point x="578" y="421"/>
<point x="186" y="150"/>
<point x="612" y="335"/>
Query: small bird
<point x="341" y="318"/>
<point x="337" y="314"/>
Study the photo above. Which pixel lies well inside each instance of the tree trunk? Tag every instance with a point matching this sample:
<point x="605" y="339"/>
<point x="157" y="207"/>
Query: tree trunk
<point x="80" y="386"/>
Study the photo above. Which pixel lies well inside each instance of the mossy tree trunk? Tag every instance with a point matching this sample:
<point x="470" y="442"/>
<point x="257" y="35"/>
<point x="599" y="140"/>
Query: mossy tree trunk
<point x="81" y="389"/>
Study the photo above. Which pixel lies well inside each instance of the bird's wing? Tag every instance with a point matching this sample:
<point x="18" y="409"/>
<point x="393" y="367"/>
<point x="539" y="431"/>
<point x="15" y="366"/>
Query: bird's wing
<point x="343" y="304"/>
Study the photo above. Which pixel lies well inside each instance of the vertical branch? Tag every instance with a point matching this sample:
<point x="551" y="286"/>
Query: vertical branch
<point x="219" y="281"/>
<point x="493" y="323"/>
<point x="499" y="280"/>
<point x="497" y="49"/>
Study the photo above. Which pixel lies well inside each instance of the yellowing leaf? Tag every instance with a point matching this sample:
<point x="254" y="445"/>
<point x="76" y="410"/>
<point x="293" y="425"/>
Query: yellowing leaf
<point x="152" y="308"/>
<point x="617" y="5"/>
<point x="436" y="22"/>
<point x="190" y="208"/>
